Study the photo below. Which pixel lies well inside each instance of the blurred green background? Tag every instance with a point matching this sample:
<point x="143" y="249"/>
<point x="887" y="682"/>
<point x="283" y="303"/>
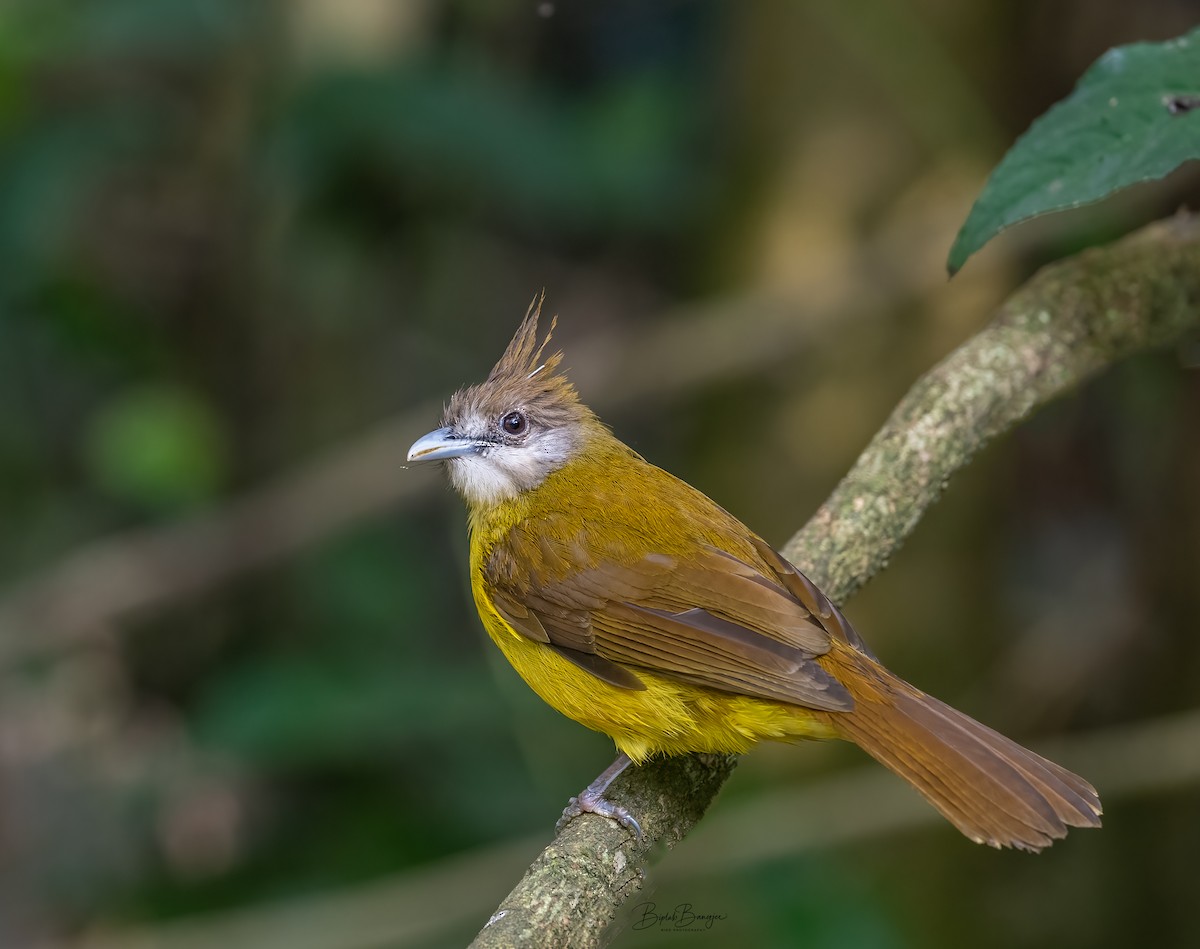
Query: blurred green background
<point x="246" y="249"/>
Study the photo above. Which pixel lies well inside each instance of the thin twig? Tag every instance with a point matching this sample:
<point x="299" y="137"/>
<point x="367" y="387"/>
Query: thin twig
<point x="420" y="906"/>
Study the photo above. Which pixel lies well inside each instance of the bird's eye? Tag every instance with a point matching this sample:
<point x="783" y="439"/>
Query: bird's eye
<point x="514" y="423"/>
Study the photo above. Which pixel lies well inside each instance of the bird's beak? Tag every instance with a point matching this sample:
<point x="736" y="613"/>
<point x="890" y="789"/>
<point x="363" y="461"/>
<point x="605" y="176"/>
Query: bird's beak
<point x="443" y="443"/>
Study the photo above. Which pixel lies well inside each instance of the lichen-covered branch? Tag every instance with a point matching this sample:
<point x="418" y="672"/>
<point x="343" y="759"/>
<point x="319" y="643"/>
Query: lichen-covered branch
<point x="1067" y="323"/>
<point x="1072" y="319"/>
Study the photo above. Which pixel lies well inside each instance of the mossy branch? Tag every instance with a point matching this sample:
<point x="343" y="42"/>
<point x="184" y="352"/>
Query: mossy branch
<point x="1070" y="321"/>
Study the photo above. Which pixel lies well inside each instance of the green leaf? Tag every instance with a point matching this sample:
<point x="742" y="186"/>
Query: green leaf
<point x="1134" y="116"/>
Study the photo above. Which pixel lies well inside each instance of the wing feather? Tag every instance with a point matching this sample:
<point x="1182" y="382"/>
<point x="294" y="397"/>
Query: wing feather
<point x="711" y="619"/>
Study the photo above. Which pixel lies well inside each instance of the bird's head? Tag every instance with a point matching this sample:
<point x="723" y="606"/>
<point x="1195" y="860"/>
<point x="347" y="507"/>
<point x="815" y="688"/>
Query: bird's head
<point x="507" y="434"/>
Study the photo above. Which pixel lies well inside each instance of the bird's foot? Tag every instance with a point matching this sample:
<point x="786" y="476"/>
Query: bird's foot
<point x="592" y="801"/>
<point x="589" y="803"/>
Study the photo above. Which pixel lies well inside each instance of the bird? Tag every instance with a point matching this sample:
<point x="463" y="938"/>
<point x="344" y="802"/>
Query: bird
<point x="632" y="603"/>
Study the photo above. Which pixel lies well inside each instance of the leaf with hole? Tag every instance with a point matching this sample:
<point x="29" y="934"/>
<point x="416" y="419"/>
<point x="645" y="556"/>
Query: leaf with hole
<point x="1134" y="116"/>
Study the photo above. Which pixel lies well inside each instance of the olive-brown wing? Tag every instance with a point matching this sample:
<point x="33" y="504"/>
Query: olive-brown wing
<point x="711" y="619"/>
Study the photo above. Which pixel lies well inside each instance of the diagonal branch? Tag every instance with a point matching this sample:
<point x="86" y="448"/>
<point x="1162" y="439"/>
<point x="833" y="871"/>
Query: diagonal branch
<point x="412" y="908"/>
<point x="1071" y="320"/>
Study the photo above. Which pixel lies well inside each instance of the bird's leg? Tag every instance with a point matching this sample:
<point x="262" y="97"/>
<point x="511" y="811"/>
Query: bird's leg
<point x="591" y="800"/>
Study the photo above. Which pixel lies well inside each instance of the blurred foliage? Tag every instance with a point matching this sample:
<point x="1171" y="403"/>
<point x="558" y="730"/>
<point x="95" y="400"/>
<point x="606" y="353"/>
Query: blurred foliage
<point x="158" y="446"/>
<point x="236" y="236"/>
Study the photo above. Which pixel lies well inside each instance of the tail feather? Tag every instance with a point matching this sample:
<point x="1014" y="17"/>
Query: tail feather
<point x="988" y="786"/>
<point x="1063" y="788"/>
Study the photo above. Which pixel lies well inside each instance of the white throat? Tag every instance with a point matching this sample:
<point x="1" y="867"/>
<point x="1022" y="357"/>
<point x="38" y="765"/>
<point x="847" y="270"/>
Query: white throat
<point x="502" y="472"/>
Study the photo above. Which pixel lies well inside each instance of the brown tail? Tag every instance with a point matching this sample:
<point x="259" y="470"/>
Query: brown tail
<point x="989" y="787"/>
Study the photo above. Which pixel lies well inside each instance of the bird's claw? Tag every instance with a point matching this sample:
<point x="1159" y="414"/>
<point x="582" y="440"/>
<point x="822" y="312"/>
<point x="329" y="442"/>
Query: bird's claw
<point x="586" y="803"/>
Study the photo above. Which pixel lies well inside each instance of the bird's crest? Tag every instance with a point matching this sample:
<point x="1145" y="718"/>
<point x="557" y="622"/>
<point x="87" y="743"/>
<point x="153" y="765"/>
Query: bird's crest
<point x="525" y="376"/>
<point x="524" y="372"/>
<point x="523" y="357"/>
